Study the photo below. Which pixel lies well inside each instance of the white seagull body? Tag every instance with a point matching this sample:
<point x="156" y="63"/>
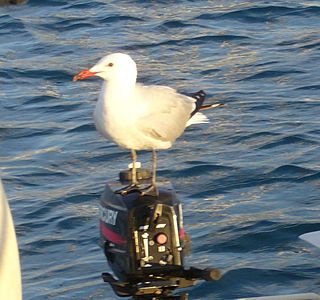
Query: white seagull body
<point x="152" y="117"/>
<point x="140" y="117"/>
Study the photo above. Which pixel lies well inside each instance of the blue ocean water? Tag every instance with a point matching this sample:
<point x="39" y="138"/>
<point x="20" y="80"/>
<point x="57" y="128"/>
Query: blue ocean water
<point x="249" y="182"/>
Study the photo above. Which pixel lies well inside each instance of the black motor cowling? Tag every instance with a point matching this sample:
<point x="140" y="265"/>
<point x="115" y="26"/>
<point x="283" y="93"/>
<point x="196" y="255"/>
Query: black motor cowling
<point x="144" y="241"/>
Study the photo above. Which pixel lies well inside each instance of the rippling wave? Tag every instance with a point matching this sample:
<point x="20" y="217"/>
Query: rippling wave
<point x="249" y="181"/>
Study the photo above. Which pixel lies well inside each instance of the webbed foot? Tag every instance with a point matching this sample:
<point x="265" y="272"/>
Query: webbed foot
<point x="150" y="190"/>
<point x="131" y="188"/>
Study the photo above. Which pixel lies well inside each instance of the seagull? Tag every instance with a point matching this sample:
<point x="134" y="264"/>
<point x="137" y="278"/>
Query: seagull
<point x="139" y="117"/>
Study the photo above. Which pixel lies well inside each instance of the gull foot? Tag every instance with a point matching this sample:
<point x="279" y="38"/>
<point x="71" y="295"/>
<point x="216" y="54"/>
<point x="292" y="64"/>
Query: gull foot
<point x="150" y="190"/>
<point x="133" y="187"/>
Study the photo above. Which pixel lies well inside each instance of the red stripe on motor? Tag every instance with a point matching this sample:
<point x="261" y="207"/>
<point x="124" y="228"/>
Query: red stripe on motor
<point x="182" y="233"/>
<point x="110" y="235"/>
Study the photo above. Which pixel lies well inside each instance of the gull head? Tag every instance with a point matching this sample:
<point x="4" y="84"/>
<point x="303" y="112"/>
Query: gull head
<point x="113" y="67"/>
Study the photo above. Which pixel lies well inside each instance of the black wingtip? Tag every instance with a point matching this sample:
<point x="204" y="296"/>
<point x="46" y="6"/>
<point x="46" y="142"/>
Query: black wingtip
<point x="199" y="96"/>
<point x="201" y="93"/>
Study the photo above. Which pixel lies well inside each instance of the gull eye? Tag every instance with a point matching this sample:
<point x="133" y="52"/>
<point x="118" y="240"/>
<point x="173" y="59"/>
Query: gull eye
<point x="110" y="64"/>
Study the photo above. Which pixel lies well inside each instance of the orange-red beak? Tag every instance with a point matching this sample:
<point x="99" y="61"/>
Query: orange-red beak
<point x="83" y="75"/>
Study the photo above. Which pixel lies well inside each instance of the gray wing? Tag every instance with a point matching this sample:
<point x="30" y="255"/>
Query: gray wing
<point x="165" y="113"/>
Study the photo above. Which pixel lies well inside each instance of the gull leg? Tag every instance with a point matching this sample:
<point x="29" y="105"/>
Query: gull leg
<point x="152" y="190"/>
<point x="154" y="167"/>
<point x="134" y="182"/>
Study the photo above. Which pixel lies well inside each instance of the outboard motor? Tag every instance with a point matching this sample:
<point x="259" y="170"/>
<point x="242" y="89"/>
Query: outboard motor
<point x="144" y="241"/>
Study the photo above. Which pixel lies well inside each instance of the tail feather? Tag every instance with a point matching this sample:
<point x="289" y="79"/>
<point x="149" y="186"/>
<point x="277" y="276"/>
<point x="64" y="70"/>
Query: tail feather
<point x="198" y="118"/>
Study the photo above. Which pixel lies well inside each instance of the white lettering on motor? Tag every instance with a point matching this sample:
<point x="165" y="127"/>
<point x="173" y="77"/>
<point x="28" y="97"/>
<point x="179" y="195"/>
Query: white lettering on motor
<point x="108" y="216"/>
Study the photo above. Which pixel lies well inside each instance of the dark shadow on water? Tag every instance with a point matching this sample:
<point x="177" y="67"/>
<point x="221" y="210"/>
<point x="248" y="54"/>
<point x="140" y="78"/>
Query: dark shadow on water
<point x="12" y="2"/>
